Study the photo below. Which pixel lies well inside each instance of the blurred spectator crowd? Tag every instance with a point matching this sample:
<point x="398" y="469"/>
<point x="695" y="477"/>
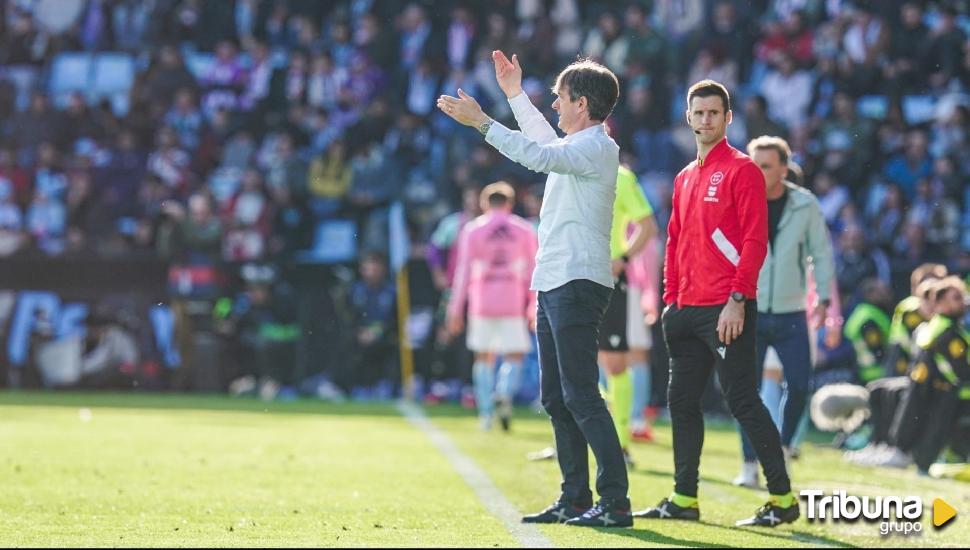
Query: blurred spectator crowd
<point x="281" y="131"/>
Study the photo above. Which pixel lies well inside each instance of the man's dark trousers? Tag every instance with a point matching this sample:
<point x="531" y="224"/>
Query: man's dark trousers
<point x="695" y="350"/>
<point x="788" y="334"/>
<point x="567" y="326"/>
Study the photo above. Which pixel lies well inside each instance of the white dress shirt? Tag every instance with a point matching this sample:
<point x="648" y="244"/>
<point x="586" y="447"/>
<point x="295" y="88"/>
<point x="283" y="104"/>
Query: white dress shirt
<point x="577" y="207"/>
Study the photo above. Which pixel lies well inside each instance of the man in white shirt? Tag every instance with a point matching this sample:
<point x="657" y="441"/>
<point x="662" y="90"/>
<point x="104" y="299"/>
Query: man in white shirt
<point x="573" y="273"/>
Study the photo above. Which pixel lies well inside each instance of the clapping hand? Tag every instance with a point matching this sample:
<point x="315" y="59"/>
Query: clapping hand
<point x="463" y="109"/>
<point x="508" y="73"/>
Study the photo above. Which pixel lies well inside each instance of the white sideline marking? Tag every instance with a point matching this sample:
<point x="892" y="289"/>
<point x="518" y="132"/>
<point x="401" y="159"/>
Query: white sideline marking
<point x="490" y="496"/>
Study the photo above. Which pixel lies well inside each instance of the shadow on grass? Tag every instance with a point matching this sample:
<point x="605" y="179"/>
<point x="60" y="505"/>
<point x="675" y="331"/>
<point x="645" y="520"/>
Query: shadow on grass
<point x="798" y="536"/>
<point x="652" y="537"/>
<point x="642" y="533"/>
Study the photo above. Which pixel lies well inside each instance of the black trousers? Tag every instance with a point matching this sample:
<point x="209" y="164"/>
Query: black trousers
<point x="885" y="399"/>
<point x="567" y="324"/>
<point x="695" y="351"/>
<point x="930" y="417"/>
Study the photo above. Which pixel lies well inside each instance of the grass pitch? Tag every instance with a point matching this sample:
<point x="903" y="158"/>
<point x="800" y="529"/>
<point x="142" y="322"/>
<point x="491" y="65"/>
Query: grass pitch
<point x="163" y="470"/>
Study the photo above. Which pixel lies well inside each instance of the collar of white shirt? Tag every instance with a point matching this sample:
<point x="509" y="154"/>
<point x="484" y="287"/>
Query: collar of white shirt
<point x="599" y="128"/>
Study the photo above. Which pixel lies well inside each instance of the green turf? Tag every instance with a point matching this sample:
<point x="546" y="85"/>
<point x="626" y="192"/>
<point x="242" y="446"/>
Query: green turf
<point x="533" y="485"/>
<point x="176" y="471"/>
<point x="161" y="470"/>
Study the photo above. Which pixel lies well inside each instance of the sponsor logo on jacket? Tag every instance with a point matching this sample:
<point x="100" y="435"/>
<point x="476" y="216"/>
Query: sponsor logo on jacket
<point x="712" y="188"/>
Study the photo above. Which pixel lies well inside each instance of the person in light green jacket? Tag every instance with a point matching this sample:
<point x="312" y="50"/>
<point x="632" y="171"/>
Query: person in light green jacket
<point x="797" y="239"/>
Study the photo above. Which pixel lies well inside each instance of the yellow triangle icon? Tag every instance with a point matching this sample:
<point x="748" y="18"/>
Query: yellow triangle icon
<point x="942" y="512"/>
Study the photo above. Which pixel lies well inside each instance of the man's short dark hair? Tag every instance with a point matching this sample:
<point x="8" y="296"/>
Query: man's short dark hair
<point x="709" y="88"/>
<point x="587" y="78"/>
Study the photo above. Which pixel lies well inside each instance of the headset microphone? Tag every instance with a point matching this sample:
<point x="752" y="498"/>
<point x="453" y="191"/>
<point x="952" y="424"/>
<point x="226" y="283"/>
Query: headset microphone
<point x="698" y="132"/>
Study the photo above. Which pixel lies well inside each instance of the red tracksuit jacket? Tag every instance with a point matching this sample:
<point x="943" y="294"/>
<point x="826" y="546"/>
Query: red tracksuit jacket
<point x="717" y="237"/>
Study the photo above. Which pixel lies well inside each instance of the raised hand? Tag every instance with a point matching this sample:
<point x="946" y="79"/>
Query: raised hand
<point x="508" y="73"/>
<point x="464" y="109"/>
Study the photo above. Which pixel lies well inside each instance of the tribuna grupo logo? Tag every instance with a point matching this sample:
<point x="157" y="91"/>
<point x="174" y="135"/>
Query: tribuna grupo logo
<point x="895" y="514"/>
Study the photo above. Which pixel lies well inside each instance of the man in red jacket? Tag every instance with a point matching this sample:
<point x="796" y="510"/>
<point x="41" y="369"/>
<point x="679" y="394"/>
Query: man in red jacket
<point x="717" y="240"/>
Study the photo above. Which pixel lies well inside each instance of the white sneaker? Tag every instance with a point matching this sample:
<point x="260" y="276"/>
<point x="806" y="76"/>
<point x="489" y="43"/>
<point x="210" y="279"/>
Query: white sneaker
<point x="748" y="476"/>
<point x="243" y="385"/>
<point x="879" y="453"/>
<point x="548" y="453"/>
<point x="328" y="391"/>
<point x="863" y="456"/>
<point x="852" y="456"/>
<point x="896" y="459"/>
<point x="268" y="389"/>
<point x="485" y="423"/>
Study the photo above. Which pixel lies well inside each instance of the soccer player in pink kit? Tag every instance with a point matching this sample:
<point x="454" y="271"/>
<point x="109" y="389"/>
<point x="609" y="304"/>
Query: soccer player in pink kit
<point x="496" y="257"/>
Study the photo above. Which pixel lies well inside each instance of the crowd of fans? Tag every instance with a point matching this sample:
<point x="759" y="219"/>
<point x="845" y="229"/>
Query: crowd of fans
<point x="249" y="125"/>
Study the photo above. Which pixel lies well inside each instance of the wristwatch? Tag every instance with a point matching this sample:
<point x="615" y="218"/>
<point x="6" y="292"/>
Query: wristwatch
<point x="738" y="297"/>
<point x="484" y="126"/>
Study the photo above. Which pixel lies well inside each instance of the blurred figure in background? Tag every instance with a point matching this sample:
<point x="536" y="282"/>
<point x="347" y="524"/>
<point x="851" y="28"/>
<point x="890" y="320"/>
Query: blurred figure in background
<point x="623" y="337"/>
<point x="442" y="255"/>
<point x="939" y="393"/>
<point x="867" y="329"/>
<point x="887" y="395"/>
<point x="496" y="257"/>
<point x="261" y="326"/>
<point x="909" y="314"/>
<point x="797" y="239"/>
<point x="373" y="303"/>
